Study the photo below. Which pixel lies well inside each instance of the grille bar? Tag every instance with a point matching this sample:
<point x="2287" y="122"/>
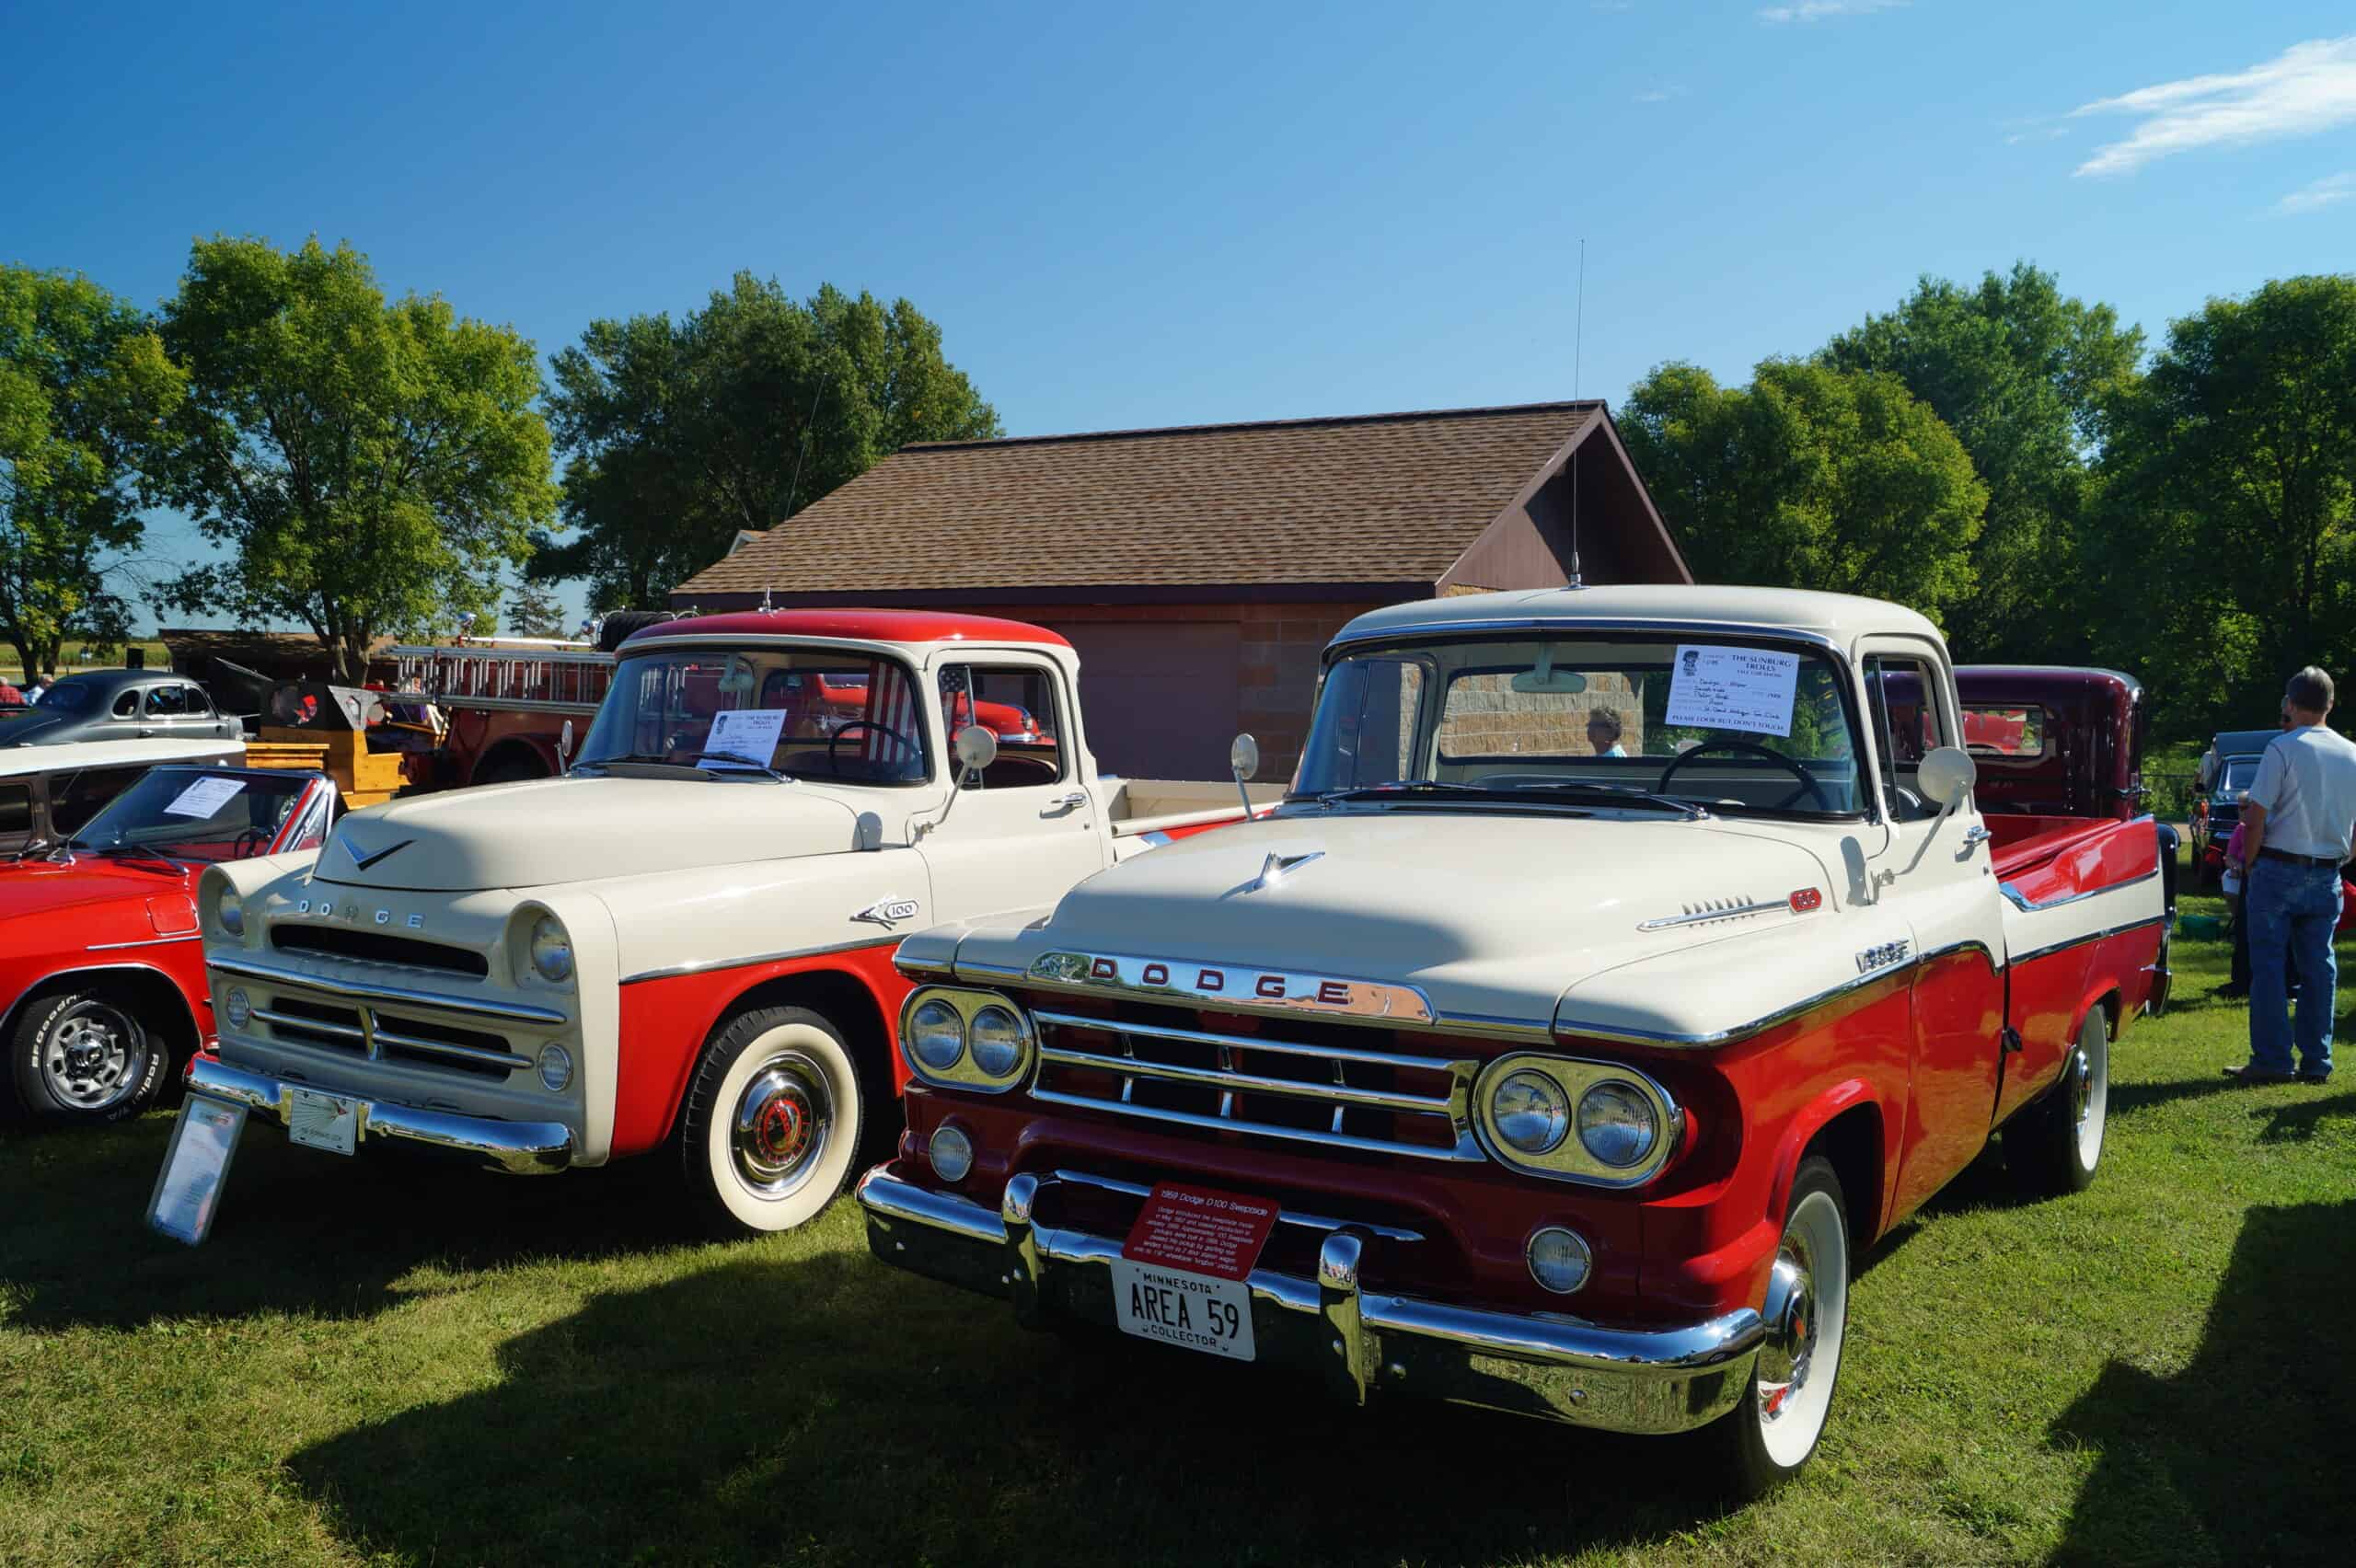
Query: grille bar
<point x="1231" y="1082"/>
<point x="1466" y="1150"/>
<point x="374" y="1043"/>
<point x="1253" y="1043"/>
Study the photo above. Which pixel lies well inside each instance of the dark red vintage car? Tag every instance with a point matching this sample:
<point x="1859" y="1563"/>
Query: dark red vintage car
<point x="101" y="969"/>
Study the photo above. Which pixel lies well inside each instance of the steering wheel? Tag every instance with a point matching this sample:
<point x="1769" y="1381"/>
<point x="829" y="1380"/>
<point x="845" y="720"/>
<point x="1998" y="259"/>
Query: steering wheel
<point x="834" y="763"/>
<point x="253" y="835"/>
<point x="1808" y="788"/>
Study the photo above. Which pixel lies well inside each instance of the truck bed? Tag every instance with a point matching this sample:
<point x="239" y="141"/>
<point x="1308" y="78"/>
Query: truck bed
<point x="1173" y="805"/>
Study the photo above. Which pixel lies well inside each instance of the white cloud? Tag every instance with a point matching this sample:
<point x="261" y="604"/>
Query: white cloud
<point x="2324" y="192"/>
<point x="2308" y="87"/>
<point x="1819" y="10"/>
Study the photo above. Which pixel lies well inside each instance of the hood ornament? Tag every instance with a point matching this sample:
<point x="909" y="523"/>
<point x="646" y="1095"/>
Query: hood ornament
<point x="363" y="858"/>
<point x="1279" y="866"/>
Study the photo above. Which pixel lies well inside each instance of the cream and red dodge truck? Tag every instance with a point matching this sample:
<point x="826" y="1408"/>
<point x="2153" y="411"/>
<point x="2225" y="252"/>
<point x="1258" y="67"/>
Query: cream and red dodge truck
<point x="685" y="942"/>
<point x="1623" y="962"/>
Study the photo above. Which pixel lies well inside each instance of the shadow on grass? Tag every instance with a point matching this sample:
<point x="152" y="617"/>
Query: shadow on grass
<point x="2239" y="1457"/>
<point x="833" y="1410"/>
<point x="297" y="1230"/>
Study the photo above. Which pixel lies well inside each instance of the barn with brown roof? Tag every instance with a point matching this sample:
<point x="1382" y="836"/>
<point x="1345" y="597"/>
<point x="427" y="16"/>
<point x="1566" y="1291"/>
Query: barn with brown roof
<point x="1200" y="570"/>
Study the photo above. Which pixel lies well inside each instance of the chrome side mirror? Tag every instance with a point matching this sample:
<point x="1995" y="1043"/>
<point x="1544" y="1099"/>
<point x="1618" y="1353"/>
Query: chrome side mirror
<point x="564" y="748"/>
<point x="1243" y="761"/>
<point x="974" y="749"/>
<point x="1945" y="776"/>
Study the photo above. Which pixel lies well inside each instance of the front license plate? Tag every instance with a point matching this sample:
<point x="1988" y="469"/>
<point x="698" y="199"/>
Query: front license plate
<point x="331" y="1122"/>
<point x="1190" y="1310"/>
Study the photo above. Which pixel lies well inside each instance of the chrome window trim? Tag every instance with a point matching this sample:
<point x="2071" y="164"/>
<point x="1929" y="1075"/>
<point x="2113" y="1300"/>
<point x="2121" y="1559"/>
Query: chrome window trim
<point x="398" y="996"/>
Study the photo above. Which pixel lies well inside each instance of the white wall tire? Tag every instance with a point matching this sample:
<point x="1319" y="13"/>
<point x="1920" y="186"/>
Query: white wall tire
<point x="2055" y="1146"/>
<point x="1776" y="1425"/>
<point x="770" y="1132"/>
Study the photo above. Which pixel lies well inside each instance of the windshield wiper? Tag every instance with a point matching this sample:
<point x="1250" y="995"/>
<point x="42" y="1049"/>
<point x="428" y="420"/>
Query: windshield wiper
<point x="753" y="763"/>
<point x="1610" y="793"/>
<point x="128" y="851"/>
<point x="1616" y="793"/>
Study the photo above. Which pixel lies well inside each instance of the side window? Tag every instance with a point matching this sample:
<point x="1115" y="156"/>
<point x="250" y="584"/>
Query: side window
<point x="15" y="810"/>
<point x="1016" y="703"/>
<point x="126" y="703"/>
<point x="199" y="705"/>
<point x="1908" y="724"/>
<point x="167" y="701"/>
<point x="73" y="800"/>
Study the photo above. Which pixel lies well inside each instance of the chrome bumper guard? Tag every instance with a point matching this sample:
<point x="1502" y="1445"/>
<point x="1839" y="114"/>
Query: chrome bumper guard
<point x="521" y="1148"/>
<point x="1359" y="1341"/>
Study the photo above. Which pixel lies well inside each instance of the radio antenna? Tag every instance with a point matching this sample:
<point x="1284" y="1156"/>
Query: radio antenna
<point x="1578" y="345"/>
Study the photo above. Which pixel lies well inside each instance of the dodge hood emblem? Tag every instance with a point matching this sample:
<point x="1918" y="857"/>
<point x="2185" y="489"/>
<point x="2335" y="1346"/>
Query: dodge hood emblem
<point x="361" y="859"/>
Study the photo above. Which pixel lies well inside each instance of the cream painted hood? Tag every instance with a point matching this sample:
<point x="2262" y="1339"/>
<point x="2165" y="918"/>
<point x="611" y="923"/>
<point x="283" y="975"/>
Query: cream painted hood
<point x="561" y="830"/>
<point x="1494" y="915"/>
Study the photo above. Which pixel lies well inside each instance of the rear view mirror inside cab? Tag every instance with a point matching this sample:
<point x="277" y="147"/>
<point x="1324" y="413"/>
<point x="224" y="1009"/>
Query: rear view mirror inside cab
<point x="1545" y="677"/>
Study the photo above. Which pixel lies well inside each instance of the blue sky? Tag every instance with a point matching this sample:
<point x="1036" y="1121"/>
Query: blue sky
<point x="1127" y="216"/>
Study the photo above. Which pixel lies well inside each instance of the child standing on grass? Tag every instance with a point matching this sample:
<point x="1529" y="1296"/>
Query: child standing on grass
<point x="2234" y="871"/>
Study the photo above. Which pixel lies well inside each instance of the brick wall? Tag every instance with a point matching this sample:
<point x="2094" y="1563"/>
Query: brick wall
<point x="1486" y="717"/>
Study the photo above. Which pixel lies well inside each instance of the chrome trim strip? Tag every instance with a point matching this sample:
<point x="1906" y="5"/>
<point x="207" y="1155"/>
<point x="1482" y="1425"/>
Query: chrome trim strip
<point x="2022" y="901"/>
<point x="1495" y="1026"/>
<point x="1283" y="1216"/>
<point x="2090" y="936"/>
<point x="698" y="966"/>
<point x="1246" y="1083"/>
<point x="361" y="990"/>
<point x="1466" y="1152"/>
<point x="521" y="1148"/>
<point x="1703" y="916"/>
<point x="1576" y="1029"/>
<point x="449" y="1048"/>
<point x="1253" y="1043"/>
<point x="1969" y="944"/>
<point x="145" y="941"/>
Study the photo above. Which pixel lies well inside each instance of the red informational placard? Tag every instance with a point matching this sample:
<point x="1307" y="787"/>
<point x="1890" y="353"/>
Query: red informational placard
<point x="1200" y="1232"/>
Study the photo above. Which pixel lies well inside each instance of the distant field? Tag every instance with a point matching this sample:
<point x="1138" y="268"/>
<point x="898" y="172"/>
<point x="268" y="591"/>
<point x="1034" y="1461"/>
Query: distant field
<point x="14" y="673"/>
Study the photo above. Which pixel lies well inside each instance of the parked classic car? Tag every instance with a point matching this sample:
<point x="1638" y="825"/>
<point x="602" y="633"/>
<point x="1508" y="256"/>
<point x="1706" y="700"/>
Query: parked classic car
<point x="107" y="705"/>
<point x="1490" y="1069"/>
<point x="2227" y="771"/>
<point x="102" y="988"/>
<point x="48" y="793"/>
<point x="685" y="944"/>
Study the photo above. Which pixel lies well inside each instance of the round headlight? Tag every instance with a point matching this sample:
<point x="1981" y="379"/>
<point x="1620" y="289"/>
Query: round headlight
<point x="1559" y="1259"/>
<point x="1616" y="1124"/>
<point x="951" y="1152"/>
<point x="996" y="1041"/>
<point x="237" y="1007"/>
<point x="1529" y="1111"/>
<point x="552" y="948"/>
<point x="231" y="912"/>
<point x="556" y="1067"/>
<point x="937" y="1035"/>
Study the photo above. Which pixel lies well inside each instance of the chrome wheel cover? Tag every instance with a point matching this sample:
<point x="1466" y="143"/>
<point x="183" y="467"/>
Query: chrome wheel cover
<point x="780" y="1126"/>
<point x="2090" y="1093"/>
<point x="1807" y="1312"/>
<point x="93" y="1058"/>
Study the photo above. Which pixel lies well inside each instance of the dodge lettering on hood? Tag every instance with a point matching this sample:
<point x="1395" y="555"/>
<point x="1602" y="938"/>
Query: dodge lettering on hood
<point x="1622" y="963"/>
<point x="683" y="944"/>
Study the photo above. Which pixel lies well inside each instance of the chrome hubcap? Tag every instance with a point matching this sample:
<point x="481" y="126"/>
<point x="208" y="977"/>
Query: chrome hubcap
<point x="1790" y="1348"/>
<point x="92" y="1058"/>
<point x="2081" y="1075"/>
<point x="778" y="1133"/>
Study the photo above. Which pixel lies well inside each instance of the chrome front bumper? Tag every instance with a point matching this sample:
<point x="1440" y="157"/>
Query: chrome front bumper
<point x="521" y="1148"/>
<point x="1358" y="1340"/>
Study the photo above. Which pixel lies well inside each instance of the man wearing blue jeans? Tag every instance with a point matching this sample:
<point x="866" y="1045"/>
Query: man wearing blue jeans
<point x="2299" y="822"/>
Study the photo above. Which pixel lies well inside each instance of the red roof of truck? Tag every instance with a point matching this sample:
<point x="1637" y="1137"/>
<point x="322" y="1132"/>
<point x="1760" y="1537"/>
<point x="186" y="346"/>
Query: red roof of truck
<point x="875" y="626"/>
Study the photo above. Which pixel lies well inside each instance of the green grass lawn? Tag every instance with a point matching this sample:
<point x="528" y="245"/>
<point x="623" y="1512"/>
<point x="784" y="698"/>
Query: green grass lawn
<point x="378" y="1360"/>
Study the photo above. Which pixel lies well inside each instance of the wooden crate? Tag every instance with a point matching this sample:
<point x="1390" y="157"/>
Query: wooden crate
<point x="364" y="777"/>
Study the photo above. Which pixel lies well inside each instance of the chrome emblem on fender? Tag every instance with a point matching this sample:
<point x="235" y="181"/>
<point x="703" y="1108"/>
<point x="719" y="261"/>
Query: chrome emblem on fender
<point x="1883" y="955"/>
<point x="888" y="913"/>
<point x="1277" y="867"/>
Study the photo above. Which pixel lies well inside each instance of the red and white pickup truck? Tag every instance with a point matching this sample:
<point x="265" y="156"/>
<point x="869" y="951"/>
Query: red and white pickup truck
<point x="1505" y="1066"/>
<point x="685" y="943"/>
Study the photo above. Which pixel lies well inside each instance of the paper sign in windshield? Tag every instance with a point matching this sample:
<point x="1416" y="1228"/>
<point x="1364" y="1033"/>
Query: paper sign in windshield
<point x="205" y="796"/>
<point x="188" y="1189"/>
<point x="1749" y="689"/>
<point x="744" y="737"/>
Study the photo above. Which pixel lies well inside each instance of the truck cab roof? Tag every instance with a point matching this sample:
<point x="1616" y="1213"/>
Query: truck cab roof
<point x="1839" y="618"/>
<point x="856" y="626"/>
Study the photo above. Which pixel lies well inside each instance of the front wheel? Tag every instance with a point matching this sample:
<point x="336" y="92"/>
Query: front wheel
<point x="1775" y="1425"/>
<point x="86" y="1057"/>
<point x="769" y="1134"/>
<point x="2055" y="1145"/>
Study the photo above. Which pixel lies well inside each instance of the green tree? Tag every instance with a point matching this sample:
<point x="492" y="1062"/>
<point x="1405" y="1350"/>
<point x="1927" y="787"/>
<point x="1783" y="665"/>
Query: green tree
<point x="372" y="465"/>
<point x="2229" y="475"/>
<point x="681" y="433"/>
<point x="82" y="382"/>
<point x="532" y="611"/>
<point x="2020" y="373"/>
<point x="1811" y="478"/>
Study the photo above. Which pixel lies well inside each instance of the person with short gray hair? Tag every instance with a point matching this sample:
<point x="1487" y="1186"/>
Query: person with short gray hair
<point x="1603" y="730"/>
<point x="2299" y="825"/>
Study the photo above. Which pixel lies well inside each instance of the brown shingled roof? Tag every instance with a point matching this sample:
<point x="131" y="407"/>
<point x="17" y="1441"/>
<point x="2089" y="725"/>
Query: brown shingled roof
<point x="1392" y="498"/>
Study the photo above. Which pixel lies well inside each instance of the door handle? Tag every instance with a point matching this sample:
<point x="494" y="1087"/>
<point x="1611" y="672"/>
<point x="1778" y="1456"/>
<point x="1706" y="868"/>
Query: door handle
<point x="1071" y="802"/>
<point x="1974" y="837"/>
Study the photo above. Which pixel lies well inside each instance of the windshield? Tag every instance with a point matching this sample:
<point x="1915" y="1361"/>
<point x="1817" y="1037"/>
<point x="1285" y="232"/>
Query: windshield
<point x="1744" y="727"/>
<point x="69" y="696"/>
<point x="191" y="813"/>
<point x="745" y="713"/>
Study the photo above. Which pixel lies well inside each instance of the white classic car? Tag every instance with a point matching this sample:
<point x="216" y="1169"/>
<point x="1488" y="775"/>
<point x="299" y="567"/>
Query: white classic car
<point x="684" y="944"/>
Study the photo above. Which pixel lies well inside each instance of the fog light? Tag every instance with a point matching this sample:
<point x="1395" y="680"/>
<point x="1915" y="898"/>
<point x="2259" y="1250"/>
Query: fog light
<point x="237" y="1008"/>
<point x="556" y="1067"/>
<point x="951" y="1152"/>
<point x="1559" y="1260"/>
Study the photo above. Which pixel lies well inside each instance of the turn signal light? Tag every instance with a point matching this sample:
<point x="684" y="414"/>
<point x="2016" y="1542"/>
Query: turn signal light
<point x="1808" y="898"/>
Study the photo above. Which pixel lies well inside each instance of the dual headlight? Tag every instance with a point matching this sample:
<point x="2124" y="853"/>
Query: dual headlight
<point x="965" y="1039"/>
<point x="1587" y="1122"/>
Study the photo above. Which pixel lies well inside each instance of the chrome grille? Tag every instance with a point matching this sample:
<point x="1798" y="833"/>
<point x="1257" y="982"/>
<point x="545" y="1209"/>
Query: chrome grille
<point x="364" y="1031"/>
<point x="1338" y="1096"/>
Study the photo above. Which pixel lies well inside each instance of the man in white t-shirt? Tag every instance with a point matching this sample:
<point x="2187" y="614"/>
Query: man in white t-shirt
<point x="2298" y="826"/>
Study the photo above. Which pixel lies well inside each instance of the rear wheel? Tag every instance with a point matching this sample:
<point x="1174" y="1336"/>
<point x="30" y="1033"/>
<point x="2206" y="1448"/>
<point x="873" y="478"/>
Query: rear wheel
<point x="770" y="1132"/>
<point x="1774" y="1427"/>
<point x="86" y="1057"/>
<point x="2055" y="1145"/>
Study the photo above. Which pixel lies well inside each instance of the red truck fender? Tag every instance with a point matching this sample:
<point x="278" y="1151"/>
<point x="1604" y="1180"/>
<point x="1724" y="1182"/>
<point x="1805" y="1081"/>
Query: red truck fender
<point x="1864" y="1158"/>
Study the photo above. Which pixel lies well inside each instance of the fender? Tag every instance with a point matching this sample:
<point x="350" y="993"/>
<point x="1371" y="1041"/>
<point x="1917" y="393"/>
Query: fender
<point x="200" y="1034"/>
<point x="665" y="1021"/>
<point x="1812" y="1119"/>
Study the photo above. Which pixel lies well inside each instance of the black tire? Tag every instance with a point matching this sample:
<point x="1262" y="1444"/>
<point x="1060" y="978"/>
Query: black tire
<point x="83" y="1056"/>
<point x="770" y="1133"/>
<point x="2054" y="1146"/>
<point x="1800" y="1367"/>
